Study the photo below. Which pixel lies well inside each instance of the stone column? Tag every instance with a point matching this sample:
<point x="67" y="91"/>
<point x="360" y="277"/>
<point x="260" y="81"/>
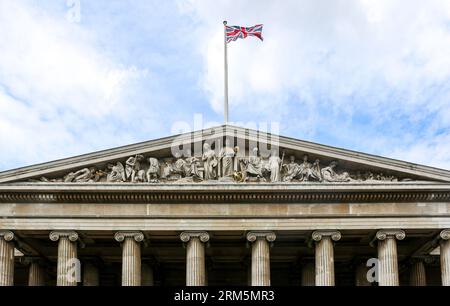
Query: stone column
<point x="308" y="275"/>
<point x="445" y="257"/>
<point x="6" y="258"/>
<point x="261" y="257"/>
<point x="361" y="275"/>
<point x="387" y="256"/>
<point x="417" y="273"/>
<point x="36" y="274"/>
<point x="131" y="257"/>
<point x="90" y="275"/>
<point x="68" y="264"/>
<point x="195" y="257"/>
<point x="325" y="256"/>
<point x="147" y="275"/>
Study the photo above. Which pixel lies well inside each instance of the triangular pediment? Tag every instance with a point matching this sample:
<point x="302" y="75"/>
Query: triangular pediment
<point x="182" y="158"/>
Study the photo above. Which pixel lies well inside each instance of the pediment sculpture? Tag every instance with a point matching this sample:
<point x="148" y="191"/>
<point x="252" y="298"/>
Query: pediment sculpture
<point x="225" y="166"/>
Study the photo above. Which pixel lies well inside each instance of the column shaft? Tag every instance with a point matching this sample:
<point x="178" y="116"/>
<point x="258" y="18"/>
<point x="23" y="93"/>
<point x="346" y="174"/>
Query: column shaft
<point x="308" y="275"/>
<point x="131" y="263"/>
<point x="325" y="262"/>
<point x="36" y="274"/>
<point x="388" y="265"/>
<point x="147" y="275"/>
<point x="90" y="275"/>
<point x="195" y="263"/>
<point x="445" y="262"/>
<point x="260" y="263"/>
<point x="6" y="258"/>
<point x="67" y="257"/>
<point x="361" y="276"/>
<point x="417" y="276"/>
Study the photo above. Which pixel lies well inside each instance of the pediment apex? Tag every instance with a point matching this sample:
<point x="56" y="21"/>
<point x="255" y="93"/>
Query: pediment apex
<point x="350" y="165"/>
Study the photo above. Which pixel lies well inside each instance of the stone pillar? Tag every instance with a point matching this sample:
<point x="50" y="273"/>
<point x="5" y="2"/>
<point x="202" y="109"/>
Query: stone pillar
<point x="325" y="256"/>
<point x="90" y="275"/>
<point x="361" y="275"/>
<point x="131" y="257"/>
<point x="147" y="275"/>
<point x="308" y="275"/>
<point x="195" y="257"/>
<point x="6" y="258"/>
<point x="68" y="264"/>
<point x="261" y="257"/>
<point x="417" y="273"/>
<point x="445" y="257"/>
<point x="36" y="274"/>
<point x="387" y="256"/>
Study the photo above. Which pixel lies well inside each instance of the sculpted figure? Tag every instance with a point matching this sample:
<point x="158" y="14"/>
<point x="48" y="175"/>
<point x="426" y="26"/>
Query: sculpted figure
<point x="274" y="166"/>
<point x="253" y="166"/>
<point x="329" y="175"/>
<point x="187" y="167"/>
<point x="292" y="170"/>
<point x="153" y="170"/>
<point x="133" y="170"/>
<point x="305" y="169"/>
<point x="210" y="162"/>
<point x="117" y="173"/>
<point x="226" y="158"/>
<point x="83" y="176"/>
<point x="315" y="171"/>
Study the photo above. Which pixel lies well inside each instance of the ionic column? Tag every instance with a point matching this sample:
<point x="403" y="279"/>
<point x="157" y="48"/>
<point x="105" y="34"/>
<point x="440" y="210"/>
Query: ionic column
<point x="90" y="275"/>
<point x="361" y="275"/>
<point x="6" y="258"/>
<point x="36" y="274"/>
<point x="195" y="257"/>
<point x="417" y="273"/>
<point x="445" y="257"/>
<point x="261" y="257"/>
<point x="308" y="275"/>
<point x="68" y="264"/>
<point x="147" y="275"/>
<point x="131" y="257"/>
<point x="387" y="256"/>
<point x="325" y="256"/>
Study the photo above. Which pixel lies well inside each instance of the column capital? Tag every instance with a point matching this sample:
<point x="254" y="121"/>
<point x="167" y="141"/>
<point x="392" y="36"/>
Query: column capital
<point x="71" y="235"/>
<point x="390" y="234"/>
<point x="7" y="235"/>
<point x="269" y="236"/>
<point x="334" y="235"/>
<point x="202" y="235"/>
<point x="445" y="234"/>
<point x="137" y="236"/>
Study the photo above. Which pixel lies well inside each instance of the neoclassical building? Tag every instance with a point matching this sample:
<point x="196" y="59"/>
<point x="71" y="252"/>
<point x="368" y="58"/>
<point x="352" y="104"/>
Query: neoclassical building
<point x="225" y="206"/>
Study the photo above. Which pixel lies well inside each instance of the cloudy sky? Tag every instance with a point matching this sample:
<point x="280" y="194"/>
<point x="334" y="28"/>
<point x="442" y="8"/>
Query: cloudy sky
<point x="78" y="76"/>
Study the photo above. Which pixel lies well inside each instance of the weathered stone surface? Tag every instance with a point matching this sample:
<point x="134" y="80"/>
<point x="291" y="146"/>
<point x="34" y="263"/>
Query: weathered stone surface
<point x="6" y="258"/>
<point x="195" y="257"/>
<point x="67" y="257"/>
<point x="131" y="257"/>
<point x="325" y="256"/>
<point x="261" y="257"/>
<point x="387" y="256"/>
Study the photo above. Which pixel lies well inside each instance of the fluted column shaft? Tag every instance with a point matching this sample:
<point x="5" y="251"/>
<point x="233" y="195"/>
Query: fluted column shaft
<point x="417" y="273"/>
<point x="445" y="257"/>
<point x="308" y="275"/>
<point x="261" y="257"/>
<point x="361" y="276"/>
<point x="325" y="256"/>
<point x="131" y="257"/>
<point x="68" y="265"/>
<point x="36" y="274"/>
<point x="195" y="257"/>
<point x="6" y="258"/>
<point x="147" y="275"/>
<point x="90" y="275"/>
<point x="387" y="256"/>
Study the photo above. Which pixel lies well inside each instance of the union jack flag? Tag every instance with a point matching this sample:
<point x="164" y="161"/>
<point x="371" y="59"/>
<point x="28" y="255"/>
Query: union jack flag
<point x="235" y="32"/>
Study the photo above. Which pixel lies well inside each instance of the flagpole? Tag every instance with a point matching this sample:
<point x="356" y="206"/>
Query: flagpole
<point x="226" y="73"/>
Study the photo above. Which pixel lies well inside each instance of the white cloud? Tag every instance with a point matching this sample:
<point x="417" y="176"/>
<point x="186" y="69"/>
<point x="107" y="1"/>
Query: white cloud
<point x="329" y="60"/>
<point x="56" y="86"/>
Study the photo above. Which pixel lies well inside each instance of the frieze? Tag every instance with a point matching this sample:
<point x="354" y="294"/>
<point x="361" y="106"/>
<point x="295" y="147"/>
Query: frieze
<point x="224" y="166"/>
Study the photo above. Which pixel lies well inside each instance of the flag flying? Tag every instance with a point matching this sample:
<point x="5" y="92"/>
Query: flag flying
<point x="235" y="32"/>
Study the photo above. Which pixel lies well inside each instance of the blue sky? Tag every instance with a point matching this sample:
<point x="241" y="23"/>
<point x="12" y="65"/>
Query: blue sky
<point x="372" y="76"/>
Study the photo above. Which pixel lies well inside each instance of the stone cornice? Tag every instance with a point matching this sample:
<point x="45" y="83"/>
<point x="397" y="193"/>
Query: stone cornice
<point x="221" y="131"/>
<point x="220" y="193"/>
